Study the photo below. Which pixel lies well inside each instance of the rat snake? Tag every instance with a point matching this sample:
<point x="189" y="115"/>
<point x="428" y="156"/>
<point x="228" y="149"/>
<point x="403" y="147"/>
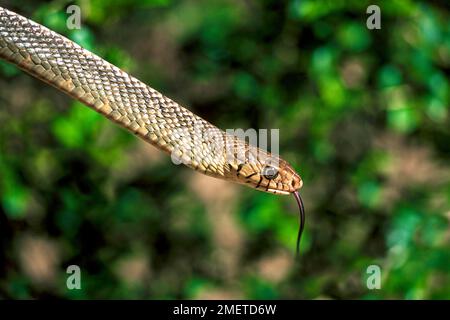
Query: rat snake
<point x="142" y="110"/>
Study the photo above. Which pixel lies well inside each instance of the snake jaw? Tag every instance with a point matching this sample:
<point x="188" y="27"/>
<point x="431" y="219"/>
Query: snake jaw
<point x="280" y="192"/>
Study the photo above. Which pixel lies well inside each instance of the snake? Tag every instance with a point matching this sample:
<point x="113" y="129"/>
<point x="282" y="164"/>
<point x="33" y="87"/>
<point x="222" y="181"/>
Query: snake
<point x="142" y="110"/>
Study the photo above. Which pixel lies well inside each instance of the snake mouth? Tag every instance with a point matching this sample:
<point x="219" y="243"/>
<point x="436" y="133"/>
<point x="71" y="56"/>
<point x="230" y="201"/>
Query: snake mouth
<point x="276" y="191"/>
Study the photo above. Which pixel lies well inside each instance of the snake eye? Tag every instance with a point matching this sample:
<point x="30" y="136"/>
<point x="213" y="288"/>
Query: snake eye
<point x="269" y="172"/>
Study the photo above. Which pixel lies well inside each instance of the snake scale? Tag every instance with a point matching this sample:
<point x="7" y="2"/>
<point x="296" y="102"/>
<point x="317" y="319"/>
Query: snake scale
<point x="141" y="109"/>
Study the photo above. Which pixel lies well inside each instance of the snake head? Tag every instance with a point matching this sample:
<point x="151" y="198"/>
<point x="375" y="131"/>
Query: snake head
<point x="274" y="176"/>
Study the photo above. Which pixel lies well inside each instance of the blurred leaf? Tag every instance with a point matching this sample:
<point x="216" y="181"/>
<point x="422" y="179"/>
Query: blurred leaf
<point x="403" y="119"/>
<point x="8" y="69"/>
<point x="79" y="127"/>
<point x="354" y="36"/>
<point x="369" y="193"/>
<point x="403" y="227"/>
<point x="389" y="76"/>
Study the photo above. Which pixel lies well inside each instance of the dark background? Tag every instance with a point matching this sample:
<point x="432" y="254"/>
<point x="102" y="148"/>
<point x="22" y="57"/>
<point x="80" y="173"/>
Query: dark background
<point x="363" y="117"/>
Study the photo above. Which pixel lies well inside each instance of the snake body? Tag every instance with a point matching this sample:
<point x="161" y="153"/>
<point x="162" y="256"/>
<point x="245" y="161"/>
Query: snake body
<point x="139" y="108"/>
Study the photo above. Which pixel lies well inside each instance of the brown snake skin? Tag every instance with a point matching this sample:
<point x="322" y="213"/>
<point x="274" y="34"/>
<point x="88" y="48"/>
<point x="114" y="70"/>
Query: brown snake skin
<point x="140" y="109"/>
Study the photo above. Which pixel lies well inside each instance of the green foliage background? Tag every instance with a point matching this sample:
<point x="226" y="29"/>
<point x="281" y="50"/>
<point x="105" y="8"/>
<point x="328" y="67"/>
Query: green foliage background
<point x="364" y="118"/>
